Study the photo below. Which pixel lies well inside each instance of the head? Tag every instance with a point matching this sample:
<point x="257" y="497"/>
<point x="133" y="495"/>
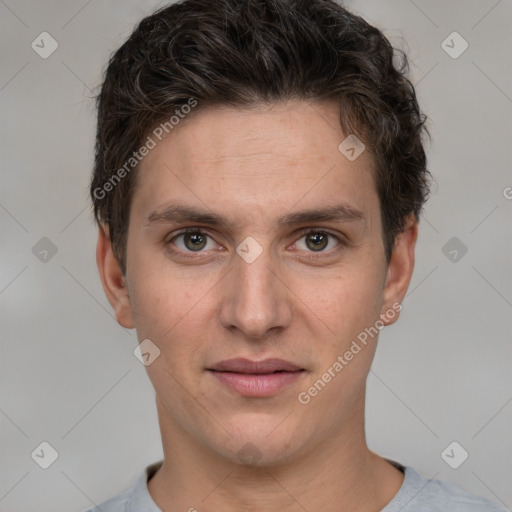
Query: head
<point x="286" y="137"/>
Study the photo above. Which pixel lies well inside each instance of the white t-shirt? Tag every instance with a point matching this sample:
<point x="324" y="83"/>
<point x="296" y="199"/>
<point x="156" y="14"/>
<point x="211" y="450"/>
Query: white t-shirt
<point x="417" y="494"/>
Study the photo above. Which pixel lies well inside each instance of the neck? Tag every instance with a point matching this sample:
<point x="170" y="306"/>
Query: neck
<point x="339" y="473"/>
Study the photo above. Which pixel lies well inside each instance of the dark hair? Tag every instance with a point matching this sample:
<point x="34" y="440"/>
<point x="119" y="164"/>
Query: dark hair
<point x="245" y="52"/>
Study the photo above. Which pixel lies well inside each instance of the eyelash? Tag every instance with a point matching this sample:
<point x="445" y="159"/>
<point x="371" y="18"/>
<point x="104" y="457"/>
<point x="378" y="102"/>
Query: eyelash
<point x="303" y="233"/>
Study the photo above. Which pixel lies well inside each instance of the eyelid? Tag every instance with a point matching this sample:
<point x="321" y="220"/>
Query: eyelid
<point x="318" y="254"/>
<point x="313" y="229"/>
<point x="190" y="255"/>
<point x="184" y="231"/>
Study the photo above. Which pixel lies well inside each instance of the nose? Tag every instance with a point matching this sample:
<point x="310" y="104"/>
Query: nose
<point x="256" y="300"/>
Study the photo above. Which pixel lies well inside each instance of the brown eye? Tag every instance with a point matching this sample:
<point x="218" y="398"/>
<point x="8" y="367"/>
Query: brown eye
<point x="194" y="241"/>
<point x="317" y="241"/>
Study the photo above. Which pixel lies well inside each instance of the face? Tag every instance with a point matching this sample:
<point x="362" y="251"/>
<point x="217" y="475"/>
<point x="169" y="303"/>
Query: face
<point x="256" y="265"/>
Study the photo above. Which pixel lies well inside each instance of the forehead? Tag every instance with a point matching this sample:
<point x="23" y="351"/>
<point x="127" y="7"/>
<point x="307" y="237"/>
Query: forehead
<point x="261" y="161"/>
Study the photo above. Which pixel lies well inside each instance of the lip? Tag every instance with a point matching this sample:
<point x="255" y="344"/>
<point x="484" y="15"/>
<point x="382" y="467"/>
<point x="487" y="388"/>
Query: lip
<point x="256" y="378"/>
<point x="242" y="365"/>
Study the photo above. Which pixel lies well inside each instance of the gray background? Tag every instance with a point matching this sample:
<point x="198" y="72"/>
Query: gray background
<point x="68" y="375"/>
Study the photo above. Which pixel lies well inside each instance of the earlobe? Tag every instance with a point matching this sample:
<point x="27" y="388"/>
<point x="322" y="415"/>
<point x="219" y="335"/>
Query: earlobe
<point x="400" y="268"/>
<point x="113" y="280"/>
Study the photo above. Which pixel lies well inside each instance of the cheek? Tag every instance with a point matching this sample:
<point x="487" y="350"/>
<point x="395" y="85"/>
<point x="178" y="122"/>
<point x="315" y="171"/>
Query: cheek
<point x="174" y="313"/>
<point x="160" y="297"/>
<point x="349" y="306"/>
<point x="346" y="301"/>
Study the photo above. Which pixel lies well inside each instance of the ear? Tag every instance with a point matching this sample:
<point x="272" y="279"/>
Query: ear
<point x="399" y="271"/>
<point x="113" y="280"/>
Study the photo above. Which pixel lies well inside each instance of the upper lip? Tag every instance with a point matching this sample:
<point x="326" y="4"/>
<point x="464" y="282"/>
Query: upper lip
<point x="241" y="365"/>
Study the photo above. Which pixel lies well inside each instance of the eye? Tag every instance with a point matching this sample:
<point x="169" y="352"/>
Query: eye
<point x="317" y="241"/>
<point x="192" y="241"/>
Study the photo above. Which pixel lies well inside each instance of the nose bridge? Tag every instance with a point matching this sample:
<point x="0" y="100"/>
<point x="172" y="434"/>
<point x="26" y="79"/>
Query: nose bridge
<point x="255" y="300"/>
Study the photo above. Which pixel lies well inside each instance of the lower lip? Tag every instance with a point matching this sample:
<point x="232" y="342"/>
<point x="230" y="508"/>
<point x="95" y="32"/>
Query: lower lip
<point x="257" y="385"/>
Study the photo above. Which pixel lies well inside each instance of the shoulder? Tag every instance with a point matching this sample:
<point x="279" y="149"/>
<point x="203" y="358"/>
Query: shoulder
<point x="134" y="499"/>
<point x="420" y="494"/>
<point x="118" y="503"/>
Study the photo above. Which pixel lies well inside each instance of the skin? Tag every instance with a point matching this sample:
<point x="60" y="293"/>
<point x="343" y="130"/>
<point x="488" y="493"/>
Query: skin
<point x="253" y="166"/>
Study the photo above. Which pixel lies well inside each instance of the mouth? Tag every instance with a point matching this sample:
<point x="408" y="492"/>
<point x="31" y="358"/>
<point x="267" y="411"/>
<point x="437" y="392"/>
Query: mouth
<point x="256" y="378"/>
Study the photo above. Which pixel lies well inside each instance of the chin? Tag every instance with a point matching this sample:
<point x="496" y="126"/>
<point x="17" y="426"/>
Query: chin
<point x="264" y="443"/>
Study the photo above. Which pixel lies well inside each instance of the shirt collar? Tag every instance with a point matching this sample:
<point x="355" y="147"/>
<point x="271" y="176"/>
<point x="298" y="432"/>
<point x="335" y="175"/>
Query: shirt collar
<point x="140" y="500"/>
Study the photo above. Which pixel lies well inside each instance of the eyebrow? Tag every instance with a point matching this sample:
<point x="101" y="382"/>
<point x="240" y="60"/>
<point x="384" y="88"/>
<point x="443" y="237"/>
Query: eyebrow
<point x="181" y="214"/>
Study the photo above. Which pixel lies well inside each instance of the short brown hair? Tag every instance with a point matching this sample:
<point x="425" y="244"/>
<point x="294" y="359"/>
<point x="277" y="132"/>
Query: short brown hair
<point x="243" y="52"/>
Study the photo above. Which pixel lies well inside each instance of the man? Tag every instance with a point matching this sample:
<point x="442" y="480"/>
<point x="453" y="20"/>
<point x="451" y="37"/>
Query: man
<point x="258" y="181"/>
